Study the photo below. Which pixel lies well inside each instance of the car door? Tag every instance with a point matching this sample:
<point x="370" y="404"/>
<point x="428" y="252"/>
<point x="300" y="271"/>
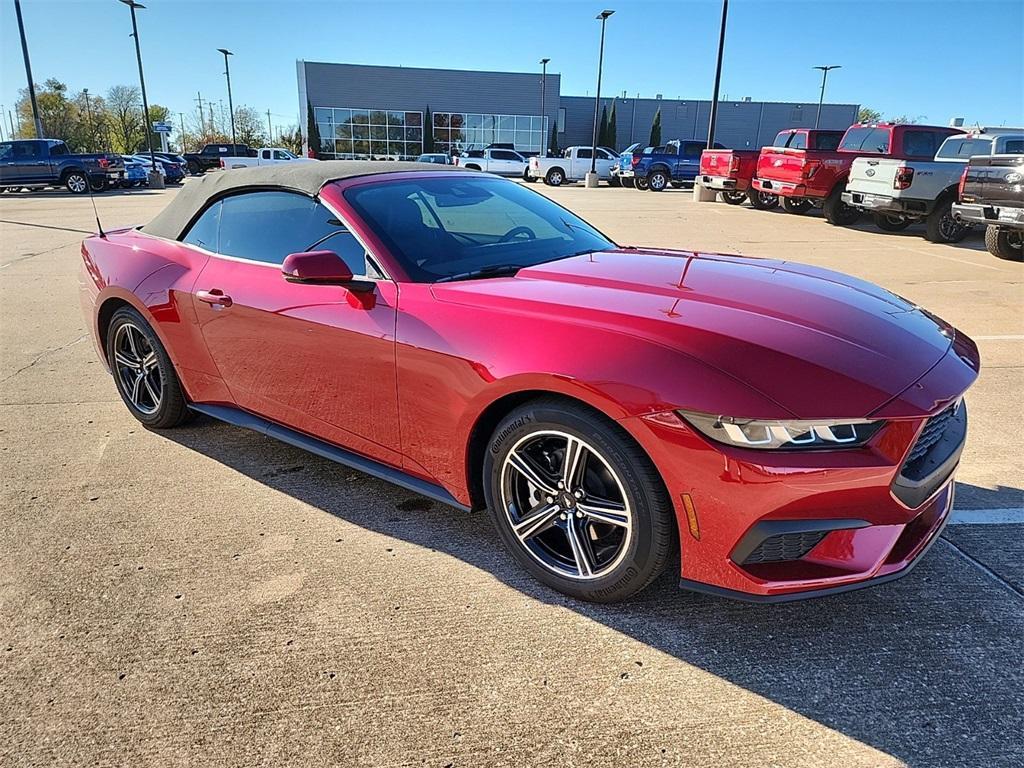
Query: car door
<point x="689" y="159"/>
<point x="27" y="163"/>
<point x="506" y="162"/>
<point x="580" y="162"/>
<point x="316" y="358"/>
<point x="605" y="161"/>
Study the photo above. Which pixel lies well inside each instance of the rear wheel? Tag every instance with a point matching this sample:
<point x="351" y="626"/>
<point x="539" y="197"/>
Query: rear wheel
<point x="657" y="181"/>
<point x="614" y="181"/>
<point x="143" y="373"/>
<point x="762" y="201"/>
<point x="838" y="212"/>
<point x="889" y="222"/>
<point x="555" y="177"/>
<point x="640" y="182"/>
<point x="732" y="197"/>
<point x="576" y="502"/>
<point x="941" y="227"/>
<point x="193" y="168"/>
<point x="77" y="183"/>
<point x="1004" y="243"/>
<point x="796" y="204"/>
<point x="627" y="181"/>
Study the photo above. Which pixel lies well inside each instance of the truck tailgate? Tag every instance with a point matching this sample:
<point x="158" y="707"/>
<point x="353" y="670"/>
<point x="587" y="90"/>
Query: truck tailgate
<point x="781" y="164"/>
<point x="716" y="162"/>
<point x="873" y="175"/>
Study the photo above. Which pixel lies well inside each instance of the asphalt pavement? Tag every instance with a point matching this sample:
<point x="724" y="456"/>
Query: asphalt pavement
<point x="206" y="596"/>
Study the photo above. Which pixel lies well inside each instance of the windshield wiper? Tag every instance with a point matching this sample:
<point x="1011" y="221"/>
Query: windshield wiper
<point x="495" y="270"/>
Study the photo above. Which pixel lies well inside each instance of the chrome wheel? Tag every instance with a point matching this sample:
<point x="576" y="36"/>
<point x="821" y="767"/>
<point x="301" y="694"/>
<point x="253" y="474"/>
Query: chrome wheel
<point x="566" y="505"/>
<point x="77" y="183"/>
<point x="137" y="369"/>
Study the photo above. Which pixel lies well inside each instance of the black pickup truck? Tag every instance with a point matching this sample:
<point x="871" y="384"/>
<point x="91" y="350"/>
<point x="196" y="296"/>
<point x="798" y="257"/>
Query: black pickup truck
<point x="49" y="163"/>
<point x="209" y="157"/>
<point x="992" y="193"/>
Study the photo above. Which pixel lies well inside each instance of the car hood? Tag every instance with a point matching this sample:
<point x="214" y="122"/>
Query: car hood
<point x="819" y="343"/>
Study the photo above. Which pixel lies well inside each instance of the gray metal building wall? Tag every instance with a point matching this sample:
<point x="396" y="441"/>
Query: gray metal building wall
<point x="741" y="124"/>
<point x="445" y="90"/>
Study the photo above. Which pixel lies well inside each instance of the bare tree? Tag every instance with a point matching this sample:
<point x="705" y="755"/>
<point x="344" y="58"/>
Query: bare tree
<point x="249" y="127"/>
<point x="124" y="107"/>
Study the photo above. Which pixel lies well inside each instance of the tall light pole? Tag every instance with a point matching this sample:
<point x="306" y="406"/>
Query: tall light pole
<point x="88" y="112"/>
<point x="821" y="98"/>
<point x="718" y="76"/>
<point x="543" y="114"/>
<point x="28" y="72"/>
<point x="591" y="180"/>
<point x="156" y="179"/>
<point x="231" y="106"/>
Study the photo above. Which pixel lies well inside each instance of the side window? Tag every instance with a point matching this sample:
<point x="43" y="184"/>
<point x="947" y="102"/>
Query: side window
<point x="606" y="155"/>
<point x="1014" y="147"/>
<point x="827" y="142"/>
<point x="504" y="154"/>
<point x="799" y="141"/>
<point x="26" y="150"/>
<point x="919" y="144"/>
<point x="203" y="232"/>
<point x="781" y="139"/>
<point x="279" y="155"/>
<point x="692" y="149"/>
<point x="56" y="150"/>
<point x="584" y="153"/>
<point x="6" y="151"/>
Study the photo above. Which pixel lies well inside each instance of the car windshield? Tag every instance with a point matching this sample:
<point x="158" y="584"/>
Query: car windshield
<point x="443" y="227"/>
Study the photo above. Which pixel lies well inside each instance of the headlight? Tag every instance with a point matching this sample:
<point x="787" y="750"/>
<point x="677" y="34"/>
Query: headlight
<point x="783" y="435"/>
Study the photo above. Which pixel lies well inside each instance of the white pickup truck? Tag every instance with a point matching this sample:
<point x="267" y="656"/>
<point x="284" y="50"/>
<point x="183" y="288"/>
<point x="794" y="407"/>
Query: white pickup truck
<point x="265" y="156"/>
<point x="504" y="162"/>
<point x="573" y="165"/>
<point x="899" y="193"/>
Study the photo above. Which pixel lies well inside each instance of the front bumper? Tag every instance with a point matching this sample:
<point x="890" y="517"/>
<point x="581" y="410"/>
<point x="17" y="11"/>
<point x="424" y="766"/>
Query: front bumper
<point x="1000" y="215"/>
<point x="780" y="188"/>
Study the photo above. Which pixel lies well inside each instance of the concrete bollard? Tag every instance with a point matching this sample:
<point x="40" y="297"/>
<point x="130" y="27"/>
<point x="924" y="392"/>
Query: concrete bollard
<point x="156" y="180"/>
<point x="590" y="180"/>
<point x="702" y="194"/>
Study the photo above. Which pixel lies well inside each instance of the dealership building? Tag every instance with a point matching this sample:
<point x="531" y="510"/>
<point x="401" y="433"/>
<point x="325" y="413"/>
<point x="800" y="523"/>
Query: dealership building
<point x="369" y="111"/>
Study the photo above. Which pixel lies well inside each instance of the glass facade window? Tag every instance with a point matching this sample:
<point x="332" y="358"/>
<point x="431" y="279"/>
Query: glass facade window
<point x="352" y="133"/>
<point x="348" y="133"/>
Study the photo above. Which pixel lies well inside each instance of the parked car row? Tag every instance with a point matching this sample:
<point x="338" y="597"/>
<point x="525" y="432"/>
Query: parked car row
<point x="39" y="163"/>
<point x="900" y="174"/>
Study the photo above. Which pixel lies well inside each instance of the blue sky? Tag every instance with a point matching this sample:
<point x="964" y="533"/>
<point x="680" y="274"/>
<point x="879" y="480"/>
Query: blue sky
<point x="928" y="59"/>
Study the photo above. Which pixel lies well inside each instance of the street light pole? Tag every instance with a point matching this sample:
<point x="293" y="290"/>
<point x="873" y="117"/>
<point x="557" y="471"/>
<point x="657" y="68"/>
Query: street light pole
<point x="28" y="72"/>
<point x="543" y="114"/>
<point x="821" y="98"/>
<point x="718" y="76"/>
<point x="88" y="112"/>
<point x="591" y="180"/>
<point x="156" y="179"/>
<point x="231" y="106"/>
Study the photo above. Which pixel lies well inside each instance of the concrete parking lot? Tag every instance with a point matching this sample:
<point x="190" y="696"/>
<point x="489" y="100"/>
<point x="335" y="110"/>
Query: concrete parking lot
<point x="209" y="597"/>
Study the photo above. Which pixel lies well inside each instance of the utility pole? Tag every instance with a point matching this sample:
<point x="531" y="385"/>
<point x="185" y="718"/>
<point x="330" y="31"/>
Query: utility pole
<point x="591" y="179"/>
<point x="202" y="117"/>
<point x="181" y="121"/>
<point x="632" y="120"/>
<point x="270" y="129"/>
<point x="718" y="76"/>
<point x="231" y="106"/>
<point x="11" y="121"/>
<point x="28" y="72"/>
<point x="156" y="179"/>
<point x="543" y="114"/>
<point x="821" y="98"/>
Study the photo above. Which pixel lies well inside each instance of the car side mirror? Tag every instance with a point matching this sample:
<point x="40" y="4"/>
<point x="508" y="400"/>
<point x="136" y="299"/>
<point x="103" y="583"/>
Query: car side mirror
<point x="322" y="268"/>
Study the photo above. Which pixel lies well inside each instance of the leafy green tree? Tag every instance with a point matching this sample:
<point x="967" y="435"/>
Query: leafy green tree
<point x="610" y="137"/>
<point x="312" y="131"/>
<point x="868" y="115"/>
<point x="249" y="127"/>
<point x="291" y="139"/>
<point x="655" y="139"/>
<point x="428" y="131"/>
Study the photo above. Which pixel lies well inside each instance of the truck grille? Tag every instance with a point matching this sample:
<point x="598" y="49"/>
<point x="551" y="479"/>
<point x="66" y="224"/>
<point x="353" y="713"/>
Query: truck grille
<point x="784" y="546"/>
<point x="914" y="466"/>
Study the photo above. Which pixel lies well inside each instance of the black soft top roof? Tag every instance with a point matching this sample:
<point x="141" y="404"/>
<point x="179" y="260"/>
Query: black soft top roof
<point x="307" y="178"/>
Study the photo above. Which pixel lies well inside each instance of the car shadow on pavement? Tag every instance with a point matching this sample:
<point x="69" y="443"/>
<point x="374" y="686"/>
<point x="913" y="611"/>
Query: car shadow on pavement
<point x="926" y="669"/>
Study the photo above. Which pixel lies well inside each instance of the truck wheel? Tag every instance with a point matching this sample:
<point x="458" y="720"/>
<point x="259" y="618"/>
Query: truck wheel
<point x="193" y="168"/>
<point x="890" y="223"/>
<point x="796" y="205"/>
<point x="762" y="201"/>
<point x="1005" y="243"/>
<point x="627" y="181"/>
<point x="77" y="183"/>
<point x="657" y="181"/>
<point x="640" y="182"/>
<point x="614" y="181"/>
<point x="836" y="211"/>
<point x="98" y="186"/>
<point x="732" y="197"/>
<point x="555" y="177"/>
<point x="941" y="227"/>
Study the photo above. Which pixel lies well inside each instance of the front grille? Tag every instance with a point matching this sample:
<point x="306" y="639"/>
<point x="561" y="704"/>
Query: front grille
<point x="784" y="546"/>
<point x="915" y="467"/>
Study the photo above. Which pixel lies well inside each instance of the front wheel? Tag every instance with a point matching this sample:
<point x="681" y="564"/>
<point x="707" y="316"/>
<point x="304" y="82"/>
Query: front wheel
<point x="836" y="211"/>
<point x="657" y="181"/>
<point x="942" y="227"/>
<point x="1004" y="243"/>
<point x="143" y="373"/>
<point x="890" y="223"/>
<point x="796" y="205"/>
<point x="732" y="197"/>
<point x="577" y="503"/>
<point x="762" y="201"/>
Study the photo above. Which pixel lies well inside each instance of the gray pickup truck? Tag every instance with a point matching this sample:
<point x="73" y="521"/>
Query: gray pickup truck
<point x="37" y="163"/>
<point x="992" y="193"/>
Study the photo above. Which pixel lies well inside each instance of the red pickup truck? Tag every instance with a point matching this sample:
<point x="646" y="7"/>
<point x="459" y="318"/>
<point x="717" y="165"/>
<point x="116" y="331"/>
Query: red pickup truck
<point x="816" y="174"/>
<point x="730" y="172"/>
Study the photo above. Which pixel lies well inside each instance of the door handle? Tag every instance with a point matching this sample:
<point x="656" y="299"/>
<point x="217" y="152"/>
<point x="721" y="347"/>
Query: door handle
<point x="214" y="296"/>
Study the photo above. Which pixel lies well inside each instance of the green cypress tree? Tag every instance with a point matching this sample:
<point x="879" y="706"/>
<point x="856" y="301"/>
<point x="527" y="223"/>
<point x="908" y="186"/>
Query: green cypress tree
<point x="602" y="131"/>
<point x="655" y="139"/>
<point x="428" y="131"/>
<point x="553" y="143"/>
<point x="610" y="138"/>
<point x="312" y="131"/>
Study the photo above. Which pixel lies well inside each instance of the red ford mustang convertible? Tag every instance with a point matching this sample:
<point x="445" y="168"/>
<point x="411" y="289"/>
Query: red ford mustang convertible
<point x="787" y="430"/>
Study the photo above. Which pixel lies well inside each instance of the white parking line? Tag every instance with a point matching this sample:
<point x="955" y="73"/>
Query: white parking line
<point x="998" y="338"/>
<point x="1007" y="516"/>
